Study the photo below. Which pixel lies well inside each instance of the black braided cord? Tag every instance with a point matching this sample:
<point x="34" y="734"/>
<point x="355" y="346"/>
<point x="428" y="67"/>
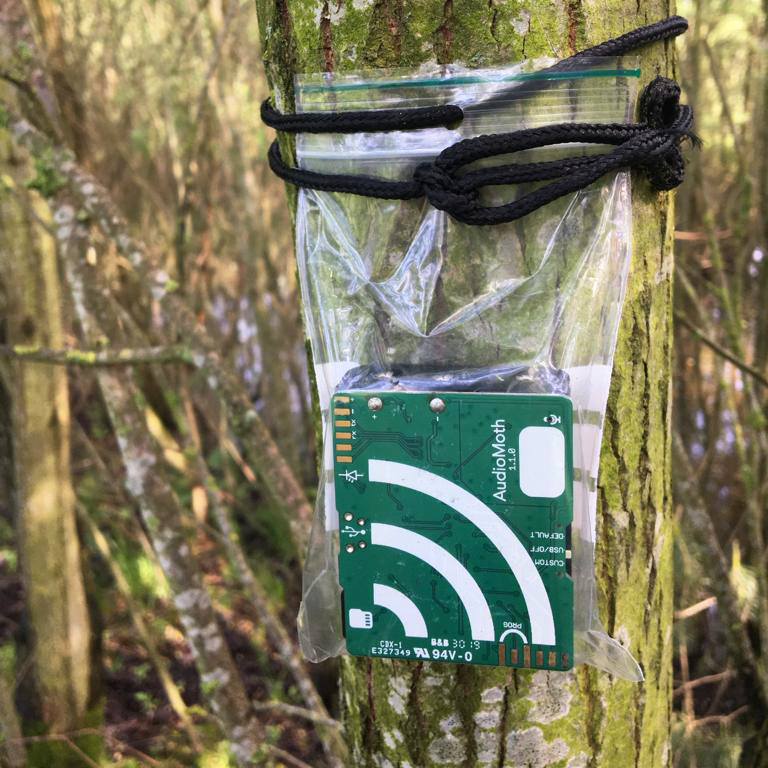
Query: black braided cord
<point x="364" y="120"/>
<point x="651" y="146"/>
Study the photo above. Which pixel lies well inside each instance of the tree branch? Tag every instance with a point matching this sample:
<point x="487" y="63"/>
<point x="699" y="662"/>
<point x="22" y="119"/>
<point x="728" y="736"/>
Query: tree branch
<point x="97" y="358"/>
<point x="292" y="710"/>
<point x="726" y="674"/>
<point x="722" y="351"/>
<point x="720" y="719"/>
<point x="286" y="757"/>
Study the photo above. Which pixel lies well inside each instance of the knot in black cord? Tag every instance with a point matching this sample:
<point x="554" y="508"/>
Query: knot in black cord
<point x="660" y="108"/>
<point x="651" y="146"/>
<point x="444" y="191"/>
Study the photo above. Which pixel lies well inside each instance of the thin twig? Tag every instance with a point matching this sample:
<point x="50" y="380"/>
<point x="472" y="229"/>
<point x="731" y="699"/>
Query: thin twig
<point x="287" y="756"/>
<point x="23" y="669"/>
<point x="692" y="610"/>
<point x="292" y="710"/>
<point x="688" y="705"/>
<point x="682" y="234"/>
<point x="703" y="680"/>
<point x="137" y="753"/>
<point x="63" y="738"/>
<point x="721" y="719"/>
<point x="79" y="752"/>
<point x="726" y="113"/>
<point x="722" y="351"/>
<point x="97" y="357"/>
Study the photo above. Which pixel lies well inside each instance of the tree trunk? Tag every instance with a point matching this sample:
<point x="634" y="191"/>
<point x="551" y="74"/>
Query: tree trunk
<point x="65" y="72"/>
<point x="167" y="525"/>
<point x="48" y="540"/>
<point x="401" y="714"/>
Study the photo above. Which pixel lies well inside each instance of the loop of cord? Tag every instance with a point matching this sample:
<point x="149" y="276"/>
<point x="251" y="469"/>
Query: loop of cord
<point x="651" y="146"/>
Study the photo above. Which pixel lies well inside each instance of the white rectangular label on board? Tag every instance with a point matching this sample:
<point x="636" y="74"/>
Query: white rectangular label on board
<point x="542" y="462"/>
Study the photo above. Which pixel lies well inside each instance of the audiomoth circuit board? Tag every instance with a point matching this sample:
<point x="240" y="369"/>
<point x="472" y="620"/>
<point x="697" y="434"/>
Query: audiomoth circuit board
<point x="454" y="516"/>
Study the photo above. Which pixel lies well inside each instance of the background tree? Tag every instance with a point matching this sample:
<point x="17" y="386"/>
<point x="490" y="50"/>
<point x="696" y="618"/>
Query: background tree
<point x="420" y="714"/>
<point x="60" y="634"/>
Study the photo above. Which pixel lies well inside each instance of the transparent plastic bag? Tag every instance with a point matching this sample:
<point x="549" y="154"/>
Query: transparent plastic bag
<point x="398" y="294"/>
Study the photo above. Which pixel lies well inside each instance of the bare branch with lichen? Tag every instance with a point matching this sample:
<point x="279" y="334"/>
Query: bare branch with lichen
<point x="290" y="710"/>
<point x="97" y="358"/>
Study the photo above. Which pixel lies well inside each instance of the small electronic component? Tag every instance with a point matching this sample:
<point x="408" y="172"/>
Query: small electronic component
<point x="454" y="515"/>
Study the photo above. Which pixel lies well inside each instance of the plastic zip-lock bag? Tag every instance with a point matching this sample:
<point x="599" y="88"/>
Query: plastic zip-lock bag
<point x="426" y="333"/>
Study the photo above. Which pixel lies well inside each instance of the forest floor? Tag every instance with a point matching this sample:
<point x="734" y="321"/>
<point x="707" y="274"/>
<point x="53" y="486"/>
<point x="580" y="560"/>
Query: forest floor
<point x="138" y="722"/>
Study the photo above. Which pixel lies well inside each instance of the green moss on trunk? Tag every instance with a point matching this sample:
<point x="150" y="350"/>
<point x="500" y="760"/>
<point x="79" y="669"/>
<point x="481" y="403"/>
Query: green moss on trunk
<point x="401" y="715"/>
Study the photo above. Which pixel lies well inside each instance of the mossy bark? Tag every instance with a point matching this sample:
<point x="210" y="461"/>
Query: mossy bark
<point x="424" y="715"/>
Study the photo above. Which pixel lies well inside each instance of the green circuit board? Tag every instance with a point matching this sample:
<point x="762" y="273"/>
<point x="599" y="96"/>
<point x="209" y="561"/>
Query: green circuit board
<point x="455" y="514"/>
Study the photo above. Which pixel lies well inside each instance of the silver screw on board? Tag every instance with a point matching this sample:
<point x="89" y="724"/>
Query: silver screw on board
<point x="361" y="545"/>
<point x="437" y="405"/>
<point x="348" y="516"/>
<point x="350" y="548"/>
<point x="375" y="404"/>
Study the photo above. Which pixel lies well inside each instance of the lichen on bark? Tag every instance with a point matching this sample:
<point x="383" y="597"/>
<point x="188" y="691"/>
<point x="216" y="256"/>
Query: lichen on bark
<point x="405" y="715"/>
